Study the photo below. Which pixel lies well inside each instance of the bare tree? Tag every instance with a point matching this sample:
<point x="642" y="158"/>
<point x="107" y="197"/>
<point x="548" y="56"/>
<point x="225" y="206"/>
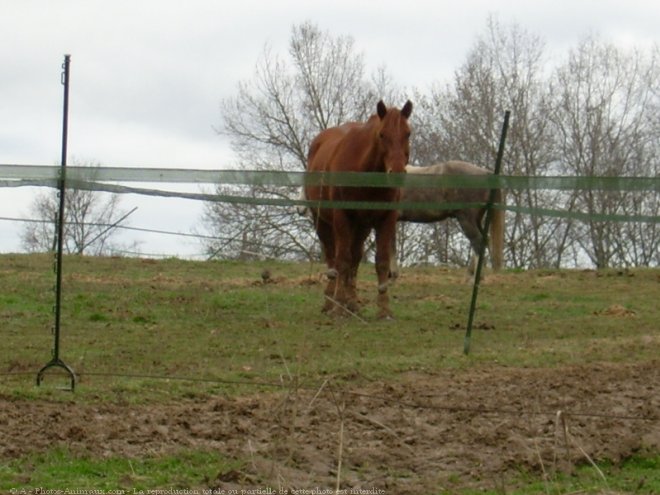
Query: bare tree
<point x="250" y="230"/>
<point x="271" y="122"/>
<point x="606" y="100"/>
<point x="89" y="221"/>
<point x="597" y="114"/>
<point x="503" y="71"/>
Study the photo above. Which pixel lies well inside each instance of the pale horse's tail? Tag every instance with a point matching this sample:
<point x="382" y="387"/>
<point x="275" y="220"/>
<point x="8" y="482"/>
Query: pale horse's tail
<point x="496" y="238"/>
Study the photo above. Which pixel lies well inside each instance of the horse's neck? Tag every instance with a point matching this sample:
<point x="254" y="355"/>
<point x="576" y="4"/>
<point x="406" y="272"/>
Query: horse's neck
<point x="376" y="160"/>
<point x="373" y="157"/>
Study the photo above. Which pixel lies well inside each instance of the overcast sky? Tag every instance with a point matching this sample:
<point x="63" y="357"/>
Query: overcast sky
<point x="147" y="76"/>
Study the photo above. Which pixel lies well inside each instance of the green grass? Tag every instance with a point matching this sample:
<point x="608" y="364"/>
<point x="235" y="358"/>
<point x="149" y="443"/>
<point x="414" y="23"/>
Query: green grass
<point x="217" y="321"/>
<point x="639" y="474"/>
<point x="60" y="470"/>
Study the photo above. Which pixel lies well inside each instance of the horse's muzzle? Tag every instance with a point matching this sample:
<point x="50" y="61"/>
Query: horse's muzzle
<point x="395" y="169"/>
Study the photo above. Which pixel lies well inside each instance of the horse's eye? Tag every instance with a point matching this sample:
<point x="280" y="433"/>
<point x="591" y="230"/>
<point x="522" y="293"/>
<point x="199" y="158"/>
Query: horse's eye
<point x="381" y="135"/>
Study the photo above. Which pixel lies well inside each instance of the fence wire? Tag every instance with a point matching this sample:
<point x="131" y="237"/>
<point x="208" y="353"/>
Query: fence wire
<point x="281" y="178"/>
<point x="87" y="178"/>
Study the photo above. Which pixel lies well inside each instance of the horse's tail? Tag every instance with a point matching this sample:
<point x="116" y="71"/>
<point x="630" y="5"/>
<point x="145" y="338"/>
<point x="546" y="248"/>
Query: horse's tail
<point x="497" y="233"/>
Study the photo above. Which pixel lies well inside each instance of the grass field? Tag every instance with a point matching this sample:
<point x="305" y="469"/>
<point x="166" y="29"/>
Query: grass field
<point x="146" y="335"/>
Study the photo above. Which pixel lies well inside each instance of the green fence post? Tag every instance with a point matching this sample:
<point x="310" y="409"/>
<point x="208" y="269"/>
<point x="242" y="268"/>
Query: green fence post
<point x="489" y="214"/>
<point x="56" y="362"/>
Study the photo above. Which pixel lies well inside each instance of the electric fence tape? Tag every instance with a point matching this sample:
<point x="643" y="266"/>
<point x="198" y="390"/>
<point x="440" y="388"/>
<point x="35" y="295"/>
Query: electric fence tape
<point x="96" y="179"/>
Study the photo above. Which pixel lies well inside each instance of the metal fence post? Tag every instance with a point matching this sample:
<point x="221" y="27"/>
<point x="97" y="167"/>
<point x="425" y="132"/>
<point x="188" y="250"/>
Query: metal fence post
<point x="489" y="214"/>
<point x="56" y="362"/>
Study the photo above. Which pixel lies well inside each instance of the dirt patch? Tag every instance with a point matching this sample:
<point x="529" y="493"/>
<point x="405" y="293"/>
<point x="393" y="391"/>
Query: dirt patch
<point x="616" y="310"/>
<point x="421" y="433"/>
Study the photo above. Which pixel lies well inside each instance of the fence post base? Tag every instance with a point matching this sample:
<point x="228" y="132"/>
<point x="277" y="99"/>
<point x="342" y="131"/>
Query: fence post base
<point x="58" y="363"/>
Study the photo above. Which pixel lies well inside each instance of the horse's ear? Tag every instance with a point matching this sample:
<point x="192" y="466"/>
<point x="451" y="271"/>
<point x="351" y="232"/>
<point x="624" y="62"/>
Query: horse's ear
<point x="407" y="109"/>
<point x="382" y="109"/>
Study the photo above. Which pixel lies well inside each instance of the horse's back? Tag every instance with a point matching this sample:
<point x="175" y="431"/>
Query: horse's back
<point x="440" y="195"/>
<point x="453" y="167"/>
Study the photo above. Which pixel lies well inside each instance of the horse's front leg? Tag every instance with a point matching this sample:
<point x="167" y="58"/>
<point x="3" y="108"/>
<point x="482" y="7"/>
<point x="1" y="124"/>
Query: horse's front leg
<point x="394" y="263"/>
<point x="330" y="293"/>
<point x="359" y="236"/>
<point x="343" y="237"/>
<point x="385" y="236"/>
<point x="326" y="236"/>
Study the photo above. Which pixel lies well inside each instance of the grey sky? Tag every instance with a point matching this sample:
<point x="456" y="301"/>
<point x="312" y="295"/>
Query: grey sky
<point x="148" y="75"/>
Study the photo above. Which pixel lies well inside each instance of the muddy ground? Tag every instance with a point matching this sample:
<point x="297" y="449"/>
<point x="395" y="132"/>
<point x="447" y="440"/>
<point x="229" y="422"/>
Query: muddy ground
<point x="457" y="428"/>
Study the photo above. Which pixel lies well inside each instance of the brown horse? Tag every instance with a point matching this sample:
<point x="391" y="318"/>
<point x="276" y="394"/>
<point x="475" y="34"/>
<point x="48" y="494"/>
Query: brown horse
<point x="379" y="145"/>
<point x="470" y="219"/>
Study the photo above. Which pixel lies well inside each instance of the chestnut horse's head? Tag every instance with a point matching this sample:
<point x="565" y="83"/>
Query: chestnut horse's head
<point x="394" y="136"/>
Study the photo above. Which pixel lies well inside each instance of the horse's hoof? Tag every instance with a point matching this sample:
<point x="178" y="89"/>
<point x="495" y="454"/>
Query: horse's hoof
<point x="338" y="312"/>
<point x="327" y="307"/>
<point x="353" y="307"/>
